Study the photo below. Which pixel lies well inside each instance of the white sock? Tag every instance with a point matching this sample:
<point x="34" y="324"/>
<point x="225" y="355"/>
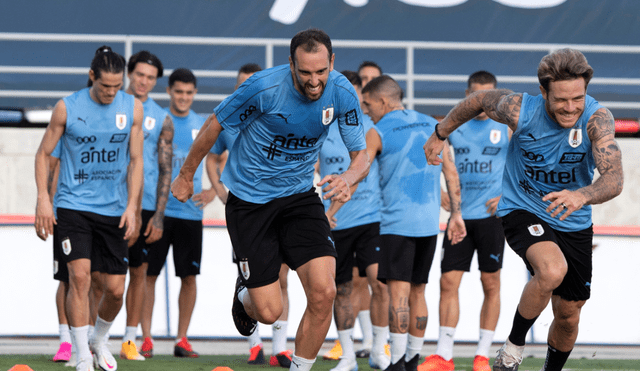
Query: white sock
<point x="254" y="339"/>
<point x="90" y="331"/>
<point x="279" y="338"/>
<point x="380" y="336"/>
<point x="65" y="334"/>
<point x="484" y="343"/>
<point x="300" y="364"/>
<point x="241" y="295"/>
<point x="364" y="317"/>
<point x="445" y="342"/>
<point x="414" y="346"/>
<point x="130" y="334"/>
<point x="398" y="344"/>
<point x="101" y="331"/>
<point x="74" y="347"/>
<point x="81" y="345"/>
<point x="346" y="340"/>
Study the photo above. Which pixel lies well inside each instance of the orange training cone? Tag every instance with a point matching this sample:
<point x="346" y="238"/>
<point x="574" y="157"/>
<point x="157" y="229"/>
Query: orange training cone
<point x="222" y="368"/>
<point x="20" y="368"/>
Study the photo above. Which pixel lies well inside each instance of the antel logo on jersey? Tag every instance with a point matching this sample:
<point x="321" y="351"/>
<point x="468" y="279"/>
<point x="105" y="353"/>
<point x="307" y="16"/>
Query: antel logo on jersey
<point x="245" y="115"/>
<point x="334" y="160"/>
<point x="532" y="156"/>
<point x="462" y="151"/>
<point x="572" y="157"/>
<point x="550" y="177"/>
<point x="99" y="155"/>
<point x="82" y="140"/>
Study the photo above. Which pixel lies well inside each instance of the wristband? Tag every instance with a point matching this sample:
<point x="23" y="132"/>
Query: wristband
<point x="438" y="134"/>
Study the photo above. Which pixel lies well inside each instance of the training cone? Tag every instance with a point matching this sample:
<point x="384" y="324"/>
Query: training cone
<point x="222" y="368"/>
<point x="20" y="368"/>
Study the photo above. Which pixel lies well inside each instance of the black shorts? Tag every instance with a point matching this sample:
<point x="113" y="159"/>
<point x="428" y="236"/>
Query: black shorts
<point x="139" y="252"/>
<point x="292" y="229"/>
<point x="357" y="247"/>
<point x="60" y="270"/>
<point x="524" y="229"/>
<point x="406" y="259"/>
<point x="186" y="238"/>
<point x="486" y="236"/>
<point x="86" y="235"/>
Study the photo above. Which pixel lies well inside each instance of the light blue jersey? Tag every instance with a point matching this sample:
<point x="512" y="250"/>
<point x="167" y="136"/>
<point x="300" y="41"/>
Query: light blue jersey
<point x="282" y="132"/>
<point x="95" y="154"/>
<point x="480" y="149"/>
<point x="544" y="157"/>
<point x="225" y="142"/>
<point x="154" y="117"/>
<point x="185" y="131"/>
<point x="364" y="206"/>
<point x="410" y="188"/>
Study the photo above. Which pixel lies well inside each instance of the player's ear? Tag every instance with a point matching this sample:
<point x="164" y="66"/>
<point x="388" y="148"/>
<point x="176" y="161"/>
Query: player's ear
<point x="544" y="92"/>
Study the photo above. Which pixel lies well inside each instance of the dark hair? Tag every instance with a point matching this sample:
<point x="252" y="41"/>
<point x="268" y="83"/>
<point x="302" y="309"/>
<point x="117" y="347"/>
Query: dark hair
<point x="369" y="64"/>
<point x="564" y="64"/>
<point x="353" y="77"/>
<point x="249" y="68"/>
<point x="182" y="75"/>
<point x="145" y="57"/>
<point x="309" y="40"/>
<point x="106" y="60"/>
<point x="384" y="85"/>
<point x="482" y="78"/>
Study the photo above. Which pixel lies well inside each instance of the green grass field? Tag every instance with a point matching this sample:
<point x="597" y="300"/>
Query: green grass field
<point x="238" y="363"/>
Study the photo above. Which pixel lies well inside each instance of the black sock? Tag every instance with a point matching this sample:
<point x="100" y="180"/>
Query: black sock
<point x="555" y="359"/>
<point x="520" y="328"/>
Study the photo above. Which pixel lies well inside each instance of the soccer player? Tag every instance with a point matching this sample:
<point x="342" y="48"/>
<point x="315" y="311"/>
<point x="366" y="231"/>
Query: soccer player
<point x="273" y="213"/>
<point x="368" y="71"/>
<point x="480" y="148"/>
<point x="410" y="213"/>
<point x="100" y="131"/>
<point x="356" y="232"/>
<point x="143" y="71"/>
<point x="559" y="137"/>
<point x="182" y="221"/>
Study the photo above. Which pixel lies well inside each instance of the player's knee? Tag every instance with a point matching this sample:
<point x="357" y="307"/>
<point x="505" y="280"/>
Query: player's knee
<point x="490" y="283"/>
<point x="551" y="275"/>
<point x="379" y="289"/>
<point x="321" y="297"/>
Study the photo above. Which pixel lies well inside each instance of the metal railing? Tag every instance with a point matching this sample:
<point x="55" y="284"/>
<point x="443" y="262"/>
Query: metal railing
<point x="410" y="77"/>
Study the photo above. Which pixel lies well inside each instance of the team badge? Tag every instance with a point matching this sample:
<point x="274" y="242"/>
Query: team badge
<point x="327" y="116"/>
<point x="55" y="267"/>
<point x="536" y="230"/>
<point x="244" y="268"/>
<point x="66" y="246"/>
<point x="495" y="136"/>
<point x="149" y="123"/>
<point x="121" y="121"/>
<point x="194" y="133"/>
<point x="575" y="137"/>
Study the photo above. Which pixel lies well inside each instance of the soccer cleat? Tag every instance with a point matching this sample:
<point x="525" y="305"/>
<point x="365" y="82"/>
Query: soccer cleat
<point x="73" y="361"/>
<point x="130" y="351"/>
<point x="398" y="366"/>
<point x="387" y="350"/>
<point x="412" y="364"/>
<point x="481" y="363"/>
<point x="436" y="363"/>
<point x="183" y="349"/>
<point x="64" y="353"/>
<point x="334" y="353"/>
<point x="346" y="364"/>
<point x="85" y="365"/>
<point x="256" y="356"/>
<point x="102" y="357"/>
<point x="509" y="357"/>
<point x="363" y="353"/>
<point x="245" y="324"/>
<point x="282" y="359"/>
<point x="379" y="361"/>
<point x="147" y="348"/>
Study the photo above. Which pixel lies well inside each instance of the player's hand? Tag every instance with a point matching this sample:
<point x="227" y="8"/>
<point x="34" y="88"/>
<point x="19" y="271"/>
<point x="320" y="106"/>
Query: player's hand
<point x="154" y="229"/>
<point x="136" y="234"/>
<point x="181" y="188"/>
<point x="445" y="201"/>
<point x="492" y="205"/>
<point x="337" y="188"/>
<point x="128" y="221"/>
<point x="44" y="219"/>
<point x="203" y="198"/>
<point x="564" y="202"/>
<point x="432" y="150"/>
<point x="333" y="222"/>
<point x="456" y="231"/>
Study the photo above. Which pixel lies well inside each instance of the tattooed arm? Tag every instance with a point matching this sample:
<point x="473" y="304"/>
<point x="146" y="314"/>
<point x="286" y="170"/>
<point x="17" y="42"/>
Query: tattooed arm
<point x="456" y="229"/>
<point x="500" y="105"/>
<point x="608" y="159"/>
<point x="165" y="155"/>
